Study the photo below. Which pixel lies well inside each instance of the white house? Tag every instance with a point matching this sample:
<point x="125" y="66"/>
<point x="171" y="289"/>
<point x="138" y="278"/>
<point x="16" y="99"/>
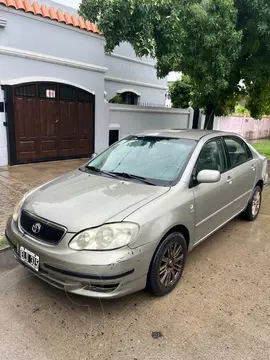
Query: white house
<point x="53" y="76"/>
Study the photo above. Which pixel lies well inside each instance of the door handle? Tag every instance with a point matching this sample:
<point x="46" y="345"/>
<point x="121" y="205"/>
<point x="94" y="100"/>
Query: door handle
<point x="229" y="180"/>
<point x="253" y="167"/>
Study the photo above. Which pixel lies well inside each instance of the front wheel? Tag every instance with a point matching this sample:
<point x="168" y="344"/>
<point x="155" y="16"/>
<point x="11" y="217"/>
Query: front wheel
<point x="167" y="265"/>
<point x="254" y="205"/>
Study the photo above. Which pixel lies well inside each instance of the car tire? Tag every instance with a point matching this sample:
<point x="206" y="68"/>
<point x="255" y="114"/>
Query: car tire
<point x="252" y="211"/>
<point x="167" y="265"/>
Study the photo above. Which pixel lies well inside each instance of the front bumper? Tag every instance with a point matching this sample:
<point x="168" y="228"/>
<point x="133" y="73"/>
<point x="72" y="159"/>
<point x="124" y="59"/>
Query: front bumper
<point x="100" y="274"/>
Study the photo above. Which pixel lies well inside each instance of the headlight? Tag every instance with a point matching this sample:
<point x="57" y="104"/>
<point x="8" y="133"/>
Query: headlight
<point x="106" y="237"/>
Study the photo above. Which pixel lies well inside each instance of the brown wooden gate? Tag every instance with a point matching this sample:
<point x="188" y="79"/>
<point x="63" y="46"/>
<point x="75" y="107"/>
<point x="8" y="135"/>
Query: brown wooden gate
<point x="52" y="121"/>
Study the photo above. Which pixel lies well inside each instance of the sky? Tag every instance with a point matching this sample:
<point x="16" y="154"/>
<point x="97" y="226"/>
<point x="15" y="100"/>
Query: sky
<point x="72" y="3"/>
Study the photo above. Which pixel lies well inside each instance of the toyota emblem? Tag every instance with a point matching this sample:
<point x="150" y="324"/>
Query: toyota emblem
<point x="36" y="228"/>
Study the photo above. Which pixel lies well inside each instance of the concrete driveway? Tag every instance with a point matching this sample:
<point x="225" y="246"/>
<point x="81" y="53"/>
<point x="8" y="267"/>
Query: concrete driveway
<point x="220" y="310"/>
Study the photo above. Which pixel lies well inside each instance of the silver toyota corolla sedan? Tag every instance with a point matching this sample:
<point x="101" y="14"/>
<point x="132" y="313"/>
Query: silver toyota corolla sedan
<point x="127" y="219"/>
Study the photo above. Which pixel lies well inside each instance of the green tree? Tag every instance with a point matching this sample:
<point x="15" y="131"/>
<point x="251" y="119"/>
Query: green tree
<point x="217" y="43"/>
<point x="253" y="63"/>
<point x="117" y="100"/>
<point x="241" y="110"/>
<point x="181" y="92"/>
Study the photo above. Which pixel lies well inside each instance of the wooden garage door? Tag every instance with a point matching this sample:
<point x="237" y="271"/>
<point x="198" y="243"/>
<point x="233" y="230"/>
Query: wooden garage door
<point x="52" y="121"/>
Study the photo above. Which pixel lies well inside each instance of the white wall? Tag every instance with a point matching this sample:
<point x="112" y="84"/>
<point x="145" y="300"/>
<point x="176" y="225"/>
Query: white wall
<point x="132" y="119"/>
<point x="125" y="49"/>
<point x="44" y="37"/>
<point x="33" y="33"/>
<point x="126" y="71"/>
<point x="148" y="95"/>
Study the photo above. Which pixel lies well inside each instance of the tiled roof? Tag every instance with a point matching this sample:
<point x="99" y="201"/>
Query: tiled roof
<point x="51" y="13"/>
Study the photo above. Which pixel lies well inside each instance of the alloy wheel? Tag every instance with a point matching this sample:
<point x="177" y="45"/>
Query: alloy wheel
<point x="256" y="202"/>
<point x="171" y="265"/>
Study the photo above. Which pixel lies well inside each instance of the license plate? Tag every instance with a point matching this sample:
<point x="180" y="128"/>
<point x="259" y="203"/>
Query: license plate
<point x="29" y="258"/>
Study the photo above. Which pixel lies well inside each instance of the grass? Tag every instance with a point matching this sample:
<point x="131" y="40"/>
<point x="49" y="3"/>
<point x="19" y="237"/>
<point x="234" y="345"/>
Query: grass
<point x="263" y="147"/>
<point x="3" y="243"/>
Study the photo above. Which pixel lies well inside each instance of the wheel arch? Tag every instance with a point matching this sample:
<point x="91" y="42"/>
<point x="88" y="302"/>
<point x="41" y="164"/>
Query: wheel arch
<point x="260" y="183"/>
<point x="176" y="228"/>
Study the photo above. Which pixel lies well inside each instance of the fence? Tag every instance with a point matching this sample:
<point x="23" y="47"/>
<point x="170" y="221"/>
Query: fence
<point x="248" y="127"/>
<point x="147" y="104"/>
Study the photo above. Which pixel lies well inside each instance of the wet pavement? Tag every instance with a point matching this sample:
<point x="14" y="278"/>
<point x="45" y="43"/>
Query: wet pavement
<point x="220" y="310"/>
<point x="15" y="181"/>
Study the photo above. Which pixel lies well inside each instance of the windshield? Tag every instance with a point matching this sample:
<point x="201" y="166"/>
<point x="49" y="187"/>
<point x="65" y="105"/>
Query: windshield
<point x="158" y="160"/>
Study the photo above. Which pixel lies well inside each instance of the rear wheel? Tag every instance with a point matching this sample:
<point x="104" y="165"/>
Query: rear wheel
<point x="254" y="205"/>
<point x="167" y="265"/>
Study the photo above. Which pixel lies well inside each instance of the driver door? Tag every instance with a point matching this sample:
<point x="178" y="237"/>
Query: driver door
<point x="213" y="202"/>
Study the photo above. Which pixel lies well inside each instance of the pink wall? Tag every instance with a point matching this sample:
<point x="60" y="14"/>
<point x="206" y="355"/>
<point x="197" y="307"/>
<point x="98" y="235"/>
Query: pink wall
<point x="247" y="127"/>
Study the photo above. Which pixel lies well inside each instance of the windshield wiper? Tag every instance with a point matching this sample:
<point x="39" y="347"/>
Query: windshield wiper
<point x="93" y="168"/>
<point x="120" y="174"/>
<point x="134" y="177"/>
<point x="99" y="171"/>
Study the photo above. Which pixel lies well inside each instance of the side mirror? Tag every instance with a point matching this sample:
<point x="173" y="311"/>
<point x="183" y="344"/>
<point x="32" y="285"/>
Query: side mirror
<point x="208" y="176"/>
<point x="94" y="155"/>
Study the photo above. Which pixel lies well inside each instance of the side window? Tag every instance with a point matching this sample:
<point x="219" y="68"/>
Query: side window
<point x="212" y="157"/>
<point x="238" y="151"/>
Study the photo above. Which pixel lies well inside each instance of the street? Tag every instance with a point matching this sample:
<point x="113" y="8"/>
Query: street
<point x="220" y="310"/>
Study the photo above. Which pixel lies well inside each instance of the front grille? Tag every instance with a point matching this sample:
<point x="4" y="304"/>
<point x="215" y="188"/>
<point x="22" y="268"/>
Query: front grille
<point x="41" y="229"/>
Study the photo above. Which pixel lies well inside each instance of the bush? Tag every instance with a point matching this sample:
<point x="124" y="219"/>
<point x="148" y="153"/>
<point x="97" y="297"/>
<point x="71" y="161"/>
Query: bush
<point x="241" y="110"/>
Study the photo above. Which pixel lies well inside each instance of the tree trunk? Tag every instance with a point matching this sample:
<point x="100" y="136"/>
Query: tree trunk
<point x="196" y="119"/>
<point x="209" y="118"/>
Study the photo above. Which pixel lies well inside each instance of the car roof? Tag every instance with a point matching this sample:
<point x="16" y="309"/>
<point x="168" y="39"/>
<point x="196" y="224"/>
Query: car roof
<point x="183" y="133"/>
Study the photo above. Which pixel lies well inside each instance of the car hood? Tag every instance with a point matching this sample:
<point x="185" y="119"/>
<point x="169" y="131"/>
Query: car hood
<point x="80" y="200"/>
